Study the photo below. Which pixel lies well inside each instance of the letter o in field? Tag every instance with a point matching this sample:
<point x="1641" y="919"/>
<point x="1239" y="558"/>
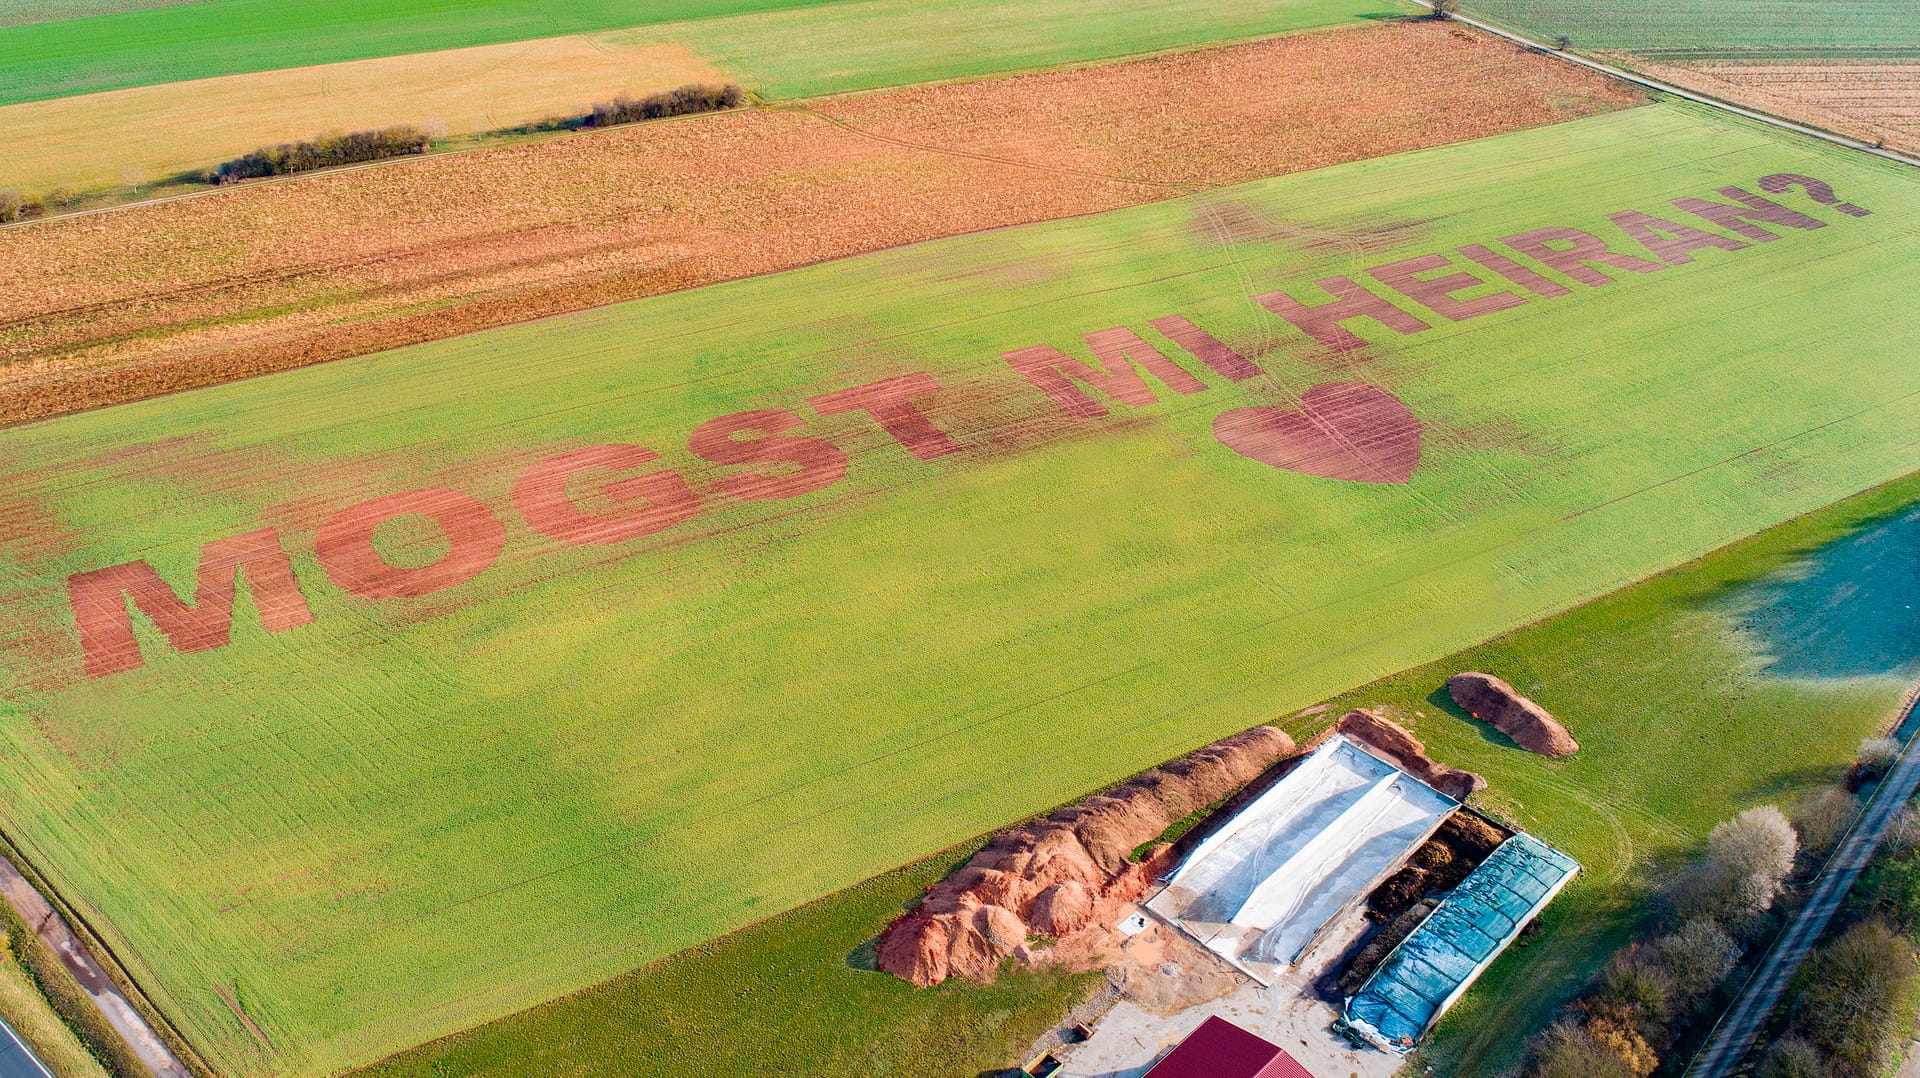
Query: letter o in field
<point x="345" y="544"/>
<point x="637" y="506"/>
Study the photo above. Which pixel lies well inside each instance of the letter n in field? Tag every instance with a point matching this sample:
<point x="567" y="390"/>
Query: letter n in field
<point x="100" y="600"/>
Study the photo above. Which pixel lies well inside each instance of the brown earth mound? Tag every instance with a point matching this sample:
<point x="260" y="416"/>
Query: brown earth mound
<point x="1064" y="873"/>
<point x="156" y="298"/>
<point x="1531" y="726"/>
<point x="1393" y="741"/>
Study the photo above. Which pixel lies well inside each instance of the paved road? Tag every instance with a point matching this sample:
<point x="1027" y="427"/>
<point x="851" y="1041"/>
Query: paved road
<point x="16" y="1059"/>
<point x="47" y="923"/>
<point x="1762" y="994"/>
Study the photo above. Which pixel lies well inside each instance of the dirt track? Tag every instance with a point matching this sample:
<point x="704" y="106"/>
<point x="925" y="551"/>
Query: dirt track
<point x="152" y="299"/>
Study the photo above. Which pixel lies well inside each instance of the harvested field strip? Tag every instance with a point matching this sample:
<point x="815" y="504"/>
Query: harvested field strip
<point x="156" y="298"/>
<point x="825" y="47"/>
<point x="625" y="728"/>
<point x="1792" y="27"/>
<point x="150" y="133"/>
<point x="1872" y="102"/>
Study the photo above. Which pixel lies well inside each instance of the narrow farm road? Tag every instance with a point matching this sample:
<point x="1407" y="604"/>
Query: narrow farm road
<point x="1762" y="993"/>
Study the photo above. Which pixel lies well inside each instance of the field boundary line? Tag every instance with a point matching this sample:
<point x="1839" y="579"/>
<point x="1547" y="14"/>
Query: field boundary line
<point x="1680" y="92"/>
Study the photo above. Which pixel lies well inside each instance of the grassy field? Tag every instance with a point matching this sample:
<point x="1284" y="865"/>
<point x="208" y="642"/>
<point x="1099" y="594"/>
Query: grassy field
<point x="812" y="968"/>
<point x="1705" y="28"/>
<point x="624" y="750"/>
<point x="825" y="46"/>
<point x="1645" y="787"/>
<point x="152" y="132"/>
<point x="24" y="11"/>
<point x="872" y="43"/>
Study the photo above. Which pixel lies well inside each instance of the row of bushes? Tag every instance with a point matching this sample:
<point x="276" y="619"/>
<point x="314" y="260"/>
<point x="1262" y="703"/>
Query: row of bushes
<point x="1709" y="913"/>
<point x="325" y="152"/>
<point x="688" y="99"/>
<point x="1845" y="1019"/>
<point x="1653" y="990"/>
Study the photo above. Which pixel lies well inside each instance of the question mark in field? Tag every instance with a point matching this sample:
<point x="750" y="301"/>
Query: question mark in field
<point x="1816" y="190"/>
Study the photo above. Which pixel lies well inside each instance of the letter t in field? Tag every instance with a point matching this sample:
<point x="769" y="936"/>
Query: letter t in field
<point x="100" y="598"/>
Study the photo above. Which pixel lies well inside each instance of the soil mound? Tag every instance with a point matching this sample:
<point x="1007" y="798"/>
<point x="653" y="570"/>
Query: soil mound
<point x="1068" y="872"/>
<point x="1493" y="701"/>
<point x="1393" y="741"/>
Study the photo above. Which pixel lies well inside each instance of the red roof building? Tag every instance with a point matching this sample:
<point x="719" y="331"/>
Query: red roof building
<point x="1220" y="1049"/>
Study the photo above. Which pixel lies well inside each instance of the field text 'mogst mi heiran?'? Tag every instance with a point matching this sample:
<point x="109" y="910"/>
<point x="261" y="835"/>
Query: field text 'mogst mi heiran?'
<point x="634" y="498"/>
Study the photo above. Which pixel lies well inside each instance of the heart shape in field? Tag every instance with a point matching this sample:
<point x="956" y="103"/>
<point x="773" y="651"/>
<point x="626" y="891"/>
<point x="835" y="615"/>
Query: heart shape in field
<point x="1342" y="430"/>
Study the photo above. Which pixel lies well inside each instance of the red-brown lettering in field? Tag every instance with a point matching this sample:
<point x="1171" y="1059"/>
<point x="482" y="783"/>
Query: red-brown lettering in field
<point x="1323" y="321"/>
<point x="345" y="547"/>
<point x="1438" y="293"/>
<point x="890" y="404"/>
<point x="100" y="596"/>
<point x="1538" y="284"/>
<point x="1737" y="218"/>
<point x="1577" y="260"/>
<point x="1781" y="182"/>
<point x="1225" y="361"/>
<point x="1670" y="241"/>
<point x="636" y="506"/>
<point x="820" y="462"/>
<point x="1116" y="351"/>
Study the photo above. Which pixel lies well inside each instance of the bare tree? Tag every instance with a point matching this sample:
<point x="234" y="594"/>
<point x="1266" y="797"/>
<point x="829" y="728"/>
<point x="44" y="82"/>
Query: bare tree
<point x="1697" y="956"/>
<point x="1823" y="818"/>
<point x="1876" y="756"/>
<point x="1753" y="853"/>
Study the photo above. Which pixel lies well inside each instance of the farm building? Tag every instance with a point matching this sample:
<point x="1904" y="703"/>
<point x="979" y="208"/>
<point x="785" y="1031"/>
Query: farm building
<point x="1440" y="958"/>
<point x="1220" y="1049"/>
<point x="1259" y="891"/>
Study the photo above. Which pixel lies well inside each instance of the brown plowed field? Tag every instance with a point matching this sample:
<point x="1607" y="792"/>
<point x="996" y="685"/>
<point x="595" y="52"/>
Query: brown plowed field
<point x="150" y="299"/>
<point x="1873" y="101"/>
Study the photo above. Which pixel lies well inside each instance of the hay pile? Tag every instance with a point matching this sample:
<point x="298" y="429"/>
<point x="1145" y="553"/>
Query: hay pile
<point x="1064" y="873"/>
<point x="1531" y="726"/>
<point x="1400" y="747"/>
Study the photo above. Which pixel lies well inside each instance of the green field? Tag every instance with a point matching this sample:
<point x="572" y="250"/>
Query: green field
<point x="1644" y="789"/>
<point x="620" y="751"/>
<point x="1707" y="28"/>
<point x="778" y="47"/>
<point x="24" y="11"/>
<point x="875" y="43"/>
<point x="812" y="968"/>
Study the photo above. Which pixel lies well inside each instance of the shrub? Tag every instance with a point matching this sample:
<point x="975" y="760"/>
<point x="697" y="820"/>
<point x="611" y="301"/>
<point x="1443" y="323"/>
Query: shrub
<point x="1697" y="957"/>
<point x="1566" y="1050"/>
<point x="1876" y="757"/>
<point x="1853" y="993"/>
<point x="1635" y="979"/>
<point x="1444" y="8"/>
<point x="1823" y="818"/>
<point x="1748" y="859"/>
<point x="1792" y="1057"/>
<point x="688" y="99"/>
<point x="12" y="205"/>
<point x="325" y="152"/>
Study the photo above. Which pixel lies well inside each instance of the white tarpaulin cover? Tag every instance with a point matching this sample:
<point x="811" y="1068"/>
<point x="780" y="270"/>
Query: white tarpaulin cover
<point x="1259" y="890"/>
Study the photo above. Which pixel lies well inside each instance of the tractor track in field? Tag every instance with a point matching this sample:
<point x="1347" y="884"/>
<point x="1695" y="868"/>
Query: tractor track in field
<point x="154" y="299"/>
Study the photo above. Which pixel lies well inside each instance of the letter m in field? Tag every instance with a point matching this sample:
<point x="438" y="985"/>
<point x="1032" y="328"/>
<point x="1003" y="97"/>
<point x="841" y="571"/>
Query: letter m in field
<point x="100" y="600"/>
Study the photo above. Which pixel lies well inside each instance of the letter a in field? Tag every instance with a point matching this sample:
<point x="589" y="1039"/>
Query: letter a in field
<point x="100" y="597"/>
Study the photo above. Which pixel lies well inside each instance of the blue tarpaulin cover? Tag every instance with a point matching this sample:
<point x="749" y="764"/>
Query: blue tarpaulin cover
<point x="1463" y="935"/>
